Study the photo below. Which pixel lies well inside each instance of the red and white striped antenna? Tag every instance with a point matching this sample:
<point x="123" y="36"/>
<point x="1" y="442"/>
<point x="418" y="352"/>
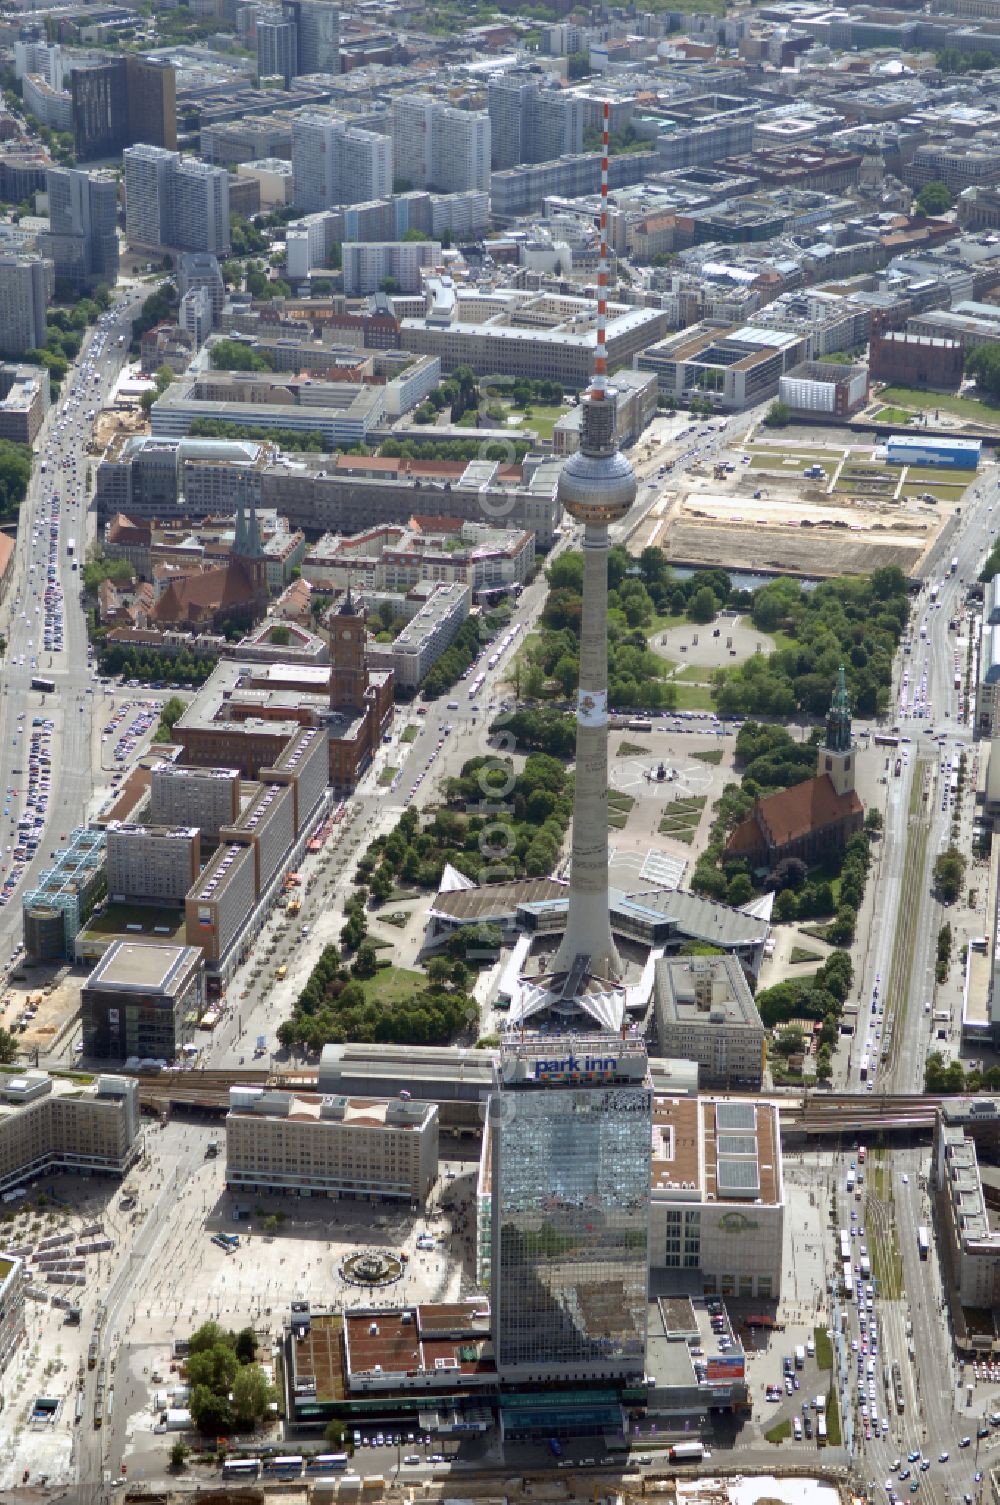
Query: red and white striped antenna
<point x="600" y="386"/>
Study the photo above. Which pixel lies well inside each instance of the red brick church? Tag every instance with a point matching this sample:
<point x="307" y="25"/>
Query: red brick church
<point x="812" y="819"/>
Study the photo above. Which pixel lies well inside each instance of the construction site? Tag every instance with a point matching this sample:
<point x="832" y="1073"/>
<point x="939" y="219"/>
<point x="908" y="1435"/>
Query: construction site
<point x="804" y="507"/>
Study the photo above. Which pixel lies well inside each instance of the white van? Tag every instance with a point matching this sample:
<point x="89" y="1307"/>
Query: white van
<point x="797" y="1428"/>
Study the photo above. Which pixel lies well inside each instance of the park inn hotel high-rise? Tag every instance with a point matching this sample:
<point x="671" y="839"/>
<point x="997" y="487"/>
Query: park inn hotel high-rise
<point x="571" y="1124"/>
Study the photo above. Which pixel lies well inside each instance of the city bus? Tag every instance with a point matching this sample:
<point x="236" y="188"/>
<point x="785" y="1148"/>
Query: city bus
<point x="845" y="1244"/>
<point x="821" y="1432"/>
<point x="326" y="1463"/>
<point x="848" y="1273"/>
<point x="954" y="564"/>
<point x="864" y="1069"/>
<point x="923" y="1241"/>
<point x="241" y="1468"/>
<point x="45" y="685"/>
<point x="287" y="1467"/>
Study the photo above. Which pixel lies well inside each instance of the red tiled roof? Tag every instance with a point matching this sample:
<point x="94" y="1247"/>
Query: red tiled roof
<point x="792" y="814"/>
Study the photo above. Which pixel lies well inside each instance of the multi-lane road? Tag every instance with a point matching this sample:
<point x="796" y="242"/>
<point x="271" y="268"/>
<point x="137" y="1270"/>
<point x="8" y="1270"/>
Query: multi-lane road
<point x="898" y="978"/>
<point x="58" y="488"/>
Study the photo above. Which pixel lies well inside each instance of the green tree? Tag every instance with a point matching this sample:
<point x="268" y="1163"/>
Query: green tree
<point x="246" y="1345"/>
<point x="334" y="1432"/>
<point x="777" y="415"/>
<point x="703" y="606"/>
<point x="170" y="713"/>
<point x="391" y="286"/>
<point x="933" y="198"/>
<point x="15" y="473"/>
<point x="251" y="1395"/>
<point x="366" y="962"/>
<point x="210" y="1411"/>
<point x="214" y="1367"/>
<point x="949" y="874"/>
<point x="280" y="635"/>
<point x="178" y="1454"/>
<point x="235" y="355"/>
<point x="8" y="1047"/>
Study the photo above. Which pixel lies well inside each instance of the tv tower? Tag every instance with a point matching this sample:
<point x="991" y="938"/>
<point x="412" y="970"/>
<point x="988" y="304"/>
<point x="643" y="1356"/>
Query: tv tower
<point x="597" y="487"/>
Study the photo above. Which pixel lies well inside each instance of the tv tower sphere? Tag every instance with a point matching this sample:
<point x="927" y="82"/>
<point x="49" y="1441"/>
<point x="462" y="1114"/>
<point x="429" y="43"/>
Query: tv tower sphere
<point x="597" y="484"/>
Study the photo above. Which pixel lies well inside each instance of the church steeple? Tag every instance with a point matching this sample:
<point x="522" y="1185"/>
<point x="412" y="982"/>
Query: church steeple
<point x="838" y="717"/>
<point x="836" y="756"/>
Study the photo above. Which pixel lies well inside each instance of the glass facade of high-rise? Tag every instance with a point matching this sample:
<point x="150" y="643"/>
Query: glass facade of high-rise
<point x="571" y="1182"/>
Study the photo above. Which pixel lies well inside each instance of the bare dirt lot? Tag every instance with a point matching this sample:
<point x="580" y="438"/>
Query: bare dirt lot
<point x="759" y="507"/>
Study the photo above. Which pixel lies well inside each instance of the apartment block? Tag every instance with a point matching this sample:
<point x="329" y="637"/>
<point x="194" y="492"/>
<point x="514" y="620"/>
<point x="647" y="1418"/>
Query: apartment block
<point x="50" y="1124"/>
<point x="337" y="163"/>
<point x="416" y="649"/>
<point x="266" y="826"/>
<point x="440" y="550"/>
<point x="705" y="1013"/>
<point x="207" y="798"/>
<point x="375" y="1149"/>
<point x="368" y="264"/>
<point x="199" y="271"/>
<point x="435" y="145"/>
<point x="175" y="201"/>
<point x="151" y="864"/>
<point x="25" y="291"/>
<point x="142" y="999"/>
<point x="530" y="122"/>
<point x="217" y="908"/>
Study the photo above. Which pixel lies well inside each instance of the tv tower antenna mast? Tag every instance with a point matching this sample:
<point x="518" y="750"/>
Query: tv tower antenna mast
<point x="597" y="487"/>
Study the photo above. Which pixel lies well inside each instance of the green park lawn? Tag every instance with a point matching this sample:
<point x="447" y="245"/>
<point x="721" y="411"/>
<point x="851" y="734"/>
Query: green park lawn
<point x="973" y="409"/>
<point x="393" y="985"/>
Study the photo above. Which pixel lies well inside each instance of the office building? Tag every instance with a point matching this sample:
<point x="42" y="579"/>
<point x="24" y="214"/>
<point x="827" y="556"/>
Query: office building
<point x="717" y="1196"/>
<point x="317" y="24"/>
<point x="530" y="122"/>
<point x="336" y="163"/>
<point x="208" y="798"/>
<point x="53" y="1124"/>
<point x="367" y="264"/>
<point x="83" y="223"/>
<point x="25" y="290"/>
<point x="277" y="46"/>
<point x="13" y="1281"/>
<point x="142" y="999"/>
<point x="571" y="1151"/>
<point x="824" y="393"/>
<point x="344" y="412"/>
<point x="175" y="201"/>
<point x="966" y="1217"/>
<point x="734" y="368"/>
<point x="524" y="333"/>
<point x="24" y="401"/>
<point x="418" y="646"/>
<point x="376" y="1149"/>
<point x="705" y="1013"/>
<point x="151" y="864"/>
<point x="168" y="478"/>
<point x="123" y="101"/>
<point x="435" y="145"/>
<point x="66" y="894"/>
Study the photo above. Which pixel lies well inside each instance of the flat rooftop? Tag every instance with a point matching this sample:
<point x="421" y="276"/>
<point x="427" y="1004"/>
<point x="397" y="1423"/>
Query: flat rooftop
<point x="146" y="966"/>
<point x="725" y="1151"/>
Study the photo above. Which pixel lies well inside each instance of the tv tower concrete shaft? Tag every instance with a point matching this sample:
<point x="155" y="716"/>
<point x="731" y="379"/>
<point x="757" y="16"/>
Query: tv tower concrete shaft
<point x="597" y="487"/>
<point x="588" y="923"/>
